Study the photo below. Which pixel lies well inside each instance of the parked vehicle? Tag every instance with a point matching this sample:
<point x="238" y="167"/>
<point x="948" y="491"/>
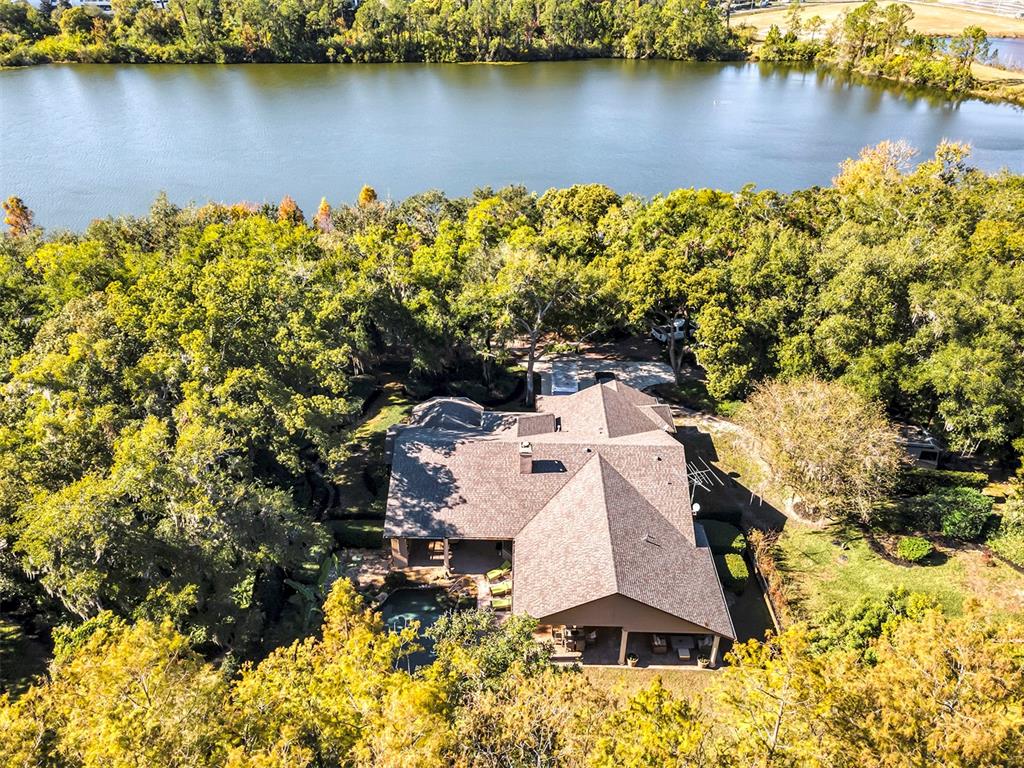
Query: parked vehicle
<point x="683" y="330"/>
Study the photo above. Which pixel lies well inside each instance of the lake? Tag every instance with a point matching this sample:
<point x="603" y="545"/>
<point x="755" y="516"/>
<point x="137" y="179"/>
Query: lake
<point x="78" y="142"/>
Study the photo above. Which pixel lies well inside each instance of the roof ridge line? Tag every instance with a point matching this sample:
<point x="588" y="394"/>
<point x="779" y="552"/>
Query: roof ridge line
<point x="602" y="464"/>
<point x="616" y="555"/>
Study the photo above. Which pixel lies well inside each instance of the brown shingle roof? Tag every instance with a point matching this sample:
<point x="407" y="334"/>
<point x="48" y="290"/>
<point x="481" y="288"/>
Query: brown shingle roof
<point x="624" y="478"/>
<point x="528" y="424"/>
<point x="608" y="410"/>
<point x="599" y="536"/>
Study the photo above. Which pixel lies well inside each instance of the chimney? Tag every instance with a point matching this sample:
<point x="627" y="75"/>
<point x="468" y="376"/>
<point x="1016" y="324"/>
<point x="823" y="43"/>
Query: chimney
<point x="525" y="458"/>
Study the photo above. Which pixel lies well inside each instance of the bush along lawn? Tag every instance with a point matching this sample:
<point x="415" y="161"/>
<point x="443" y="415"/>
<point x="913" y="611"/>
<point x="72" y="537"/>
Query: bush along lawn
<point x="913" y="549"/>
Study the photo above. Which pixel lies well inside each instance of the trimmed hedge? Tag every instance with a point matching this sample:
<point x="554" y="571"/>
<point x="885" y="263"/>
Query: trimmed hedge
<point x="913" y="549"/>
<point x="917" y="481"/>
<point x="723" y="537"/>
<point x="733" y="571"/>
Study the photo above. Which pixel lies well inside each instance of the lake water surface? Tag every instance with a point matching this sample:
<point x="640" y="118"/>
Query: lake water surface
<point x="78" y="142"/>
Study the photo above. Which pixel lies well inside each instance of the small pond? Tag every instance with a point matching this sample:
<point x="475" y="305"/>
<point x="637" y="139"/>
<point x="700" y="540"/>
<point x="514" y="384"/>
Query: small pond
<point x="409" y="604"/>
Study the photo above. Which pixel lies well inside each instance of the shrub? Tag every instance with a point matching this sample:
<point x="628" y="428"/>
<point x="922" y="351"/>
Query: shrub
<point x="1011" y="516"/>
<point x="723" y="537"/>
<point x="732" y="569"/>
<point x="1010" y="546"/>
<point x="916" y="481"/>
<point x="763" y="545"/>
<point x="1009" y="539"/>
<point x="913" y="549"/>
<point x="958" y="512"/>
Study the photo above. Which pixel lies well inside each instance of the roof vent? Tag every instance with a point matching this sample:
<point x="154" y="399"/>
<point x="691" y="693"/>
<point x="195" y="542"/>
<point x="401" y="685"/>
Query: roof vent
<point x="649" y="539"/>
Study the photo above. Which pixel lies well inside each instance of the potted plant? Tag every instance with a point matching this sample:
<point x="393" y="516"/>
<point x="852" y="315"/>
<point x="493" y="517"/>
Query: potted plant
<point x="632" y="659"/>
<point x="703" y="662"/>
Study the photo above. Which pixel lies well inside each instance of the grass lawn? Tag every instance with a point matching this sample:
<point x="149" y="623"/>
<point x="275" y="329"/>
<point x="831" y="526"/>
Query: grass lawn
<point x="388" y="409"/>
<point x="928" y="19"/>
<point x="835" y="566"/>
<point x="623" y="683"/>
<point x="366" y="534"/>
<point x="366" y="454"/>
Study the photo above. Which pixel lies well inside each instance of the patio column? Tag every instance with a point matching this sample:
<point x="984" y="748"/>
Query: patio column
<point x="622" y="646"/>
<point x="714" y="650"/>
<point x="400" y="553"/>
<point x="447" y="555"/>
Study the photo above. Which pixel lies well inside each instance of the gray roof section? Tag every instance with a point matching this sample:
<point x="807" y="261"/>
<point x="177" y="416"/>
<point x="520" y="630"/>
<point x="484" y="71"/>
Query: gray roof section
<point x="463" y="485"/>
<point x="450" y="412"/>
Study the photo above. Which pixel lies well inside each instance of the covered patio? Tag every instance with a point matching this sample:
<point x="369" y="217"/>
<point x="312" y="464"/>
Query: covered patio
<point x="612" y="646"/>
<point x="469" y="556"/>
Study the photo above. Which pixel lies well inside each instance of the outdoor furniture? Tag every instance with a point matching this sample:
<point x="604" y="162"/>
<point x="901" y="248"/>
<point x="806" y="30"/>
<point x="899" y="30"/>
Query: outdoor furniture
<point x="683" y="646"/>
<point x="575" y="639"/>
<point x="659" y="644"/>
<point x="501" y="603"/>
<point x="501" y="590"/>
<point x="498" y="573"/>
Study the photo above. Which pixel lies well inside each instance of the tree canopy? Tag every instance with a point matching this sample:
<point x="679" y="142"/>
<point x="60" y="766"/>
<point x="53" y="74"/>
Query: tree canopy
<point x="132" y="694"/>
<point x="177" y="388"/>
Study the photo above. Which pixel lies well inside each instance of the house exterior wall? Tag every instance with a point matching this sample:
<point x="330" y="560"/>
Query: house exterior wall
<point x="624" y="612"/>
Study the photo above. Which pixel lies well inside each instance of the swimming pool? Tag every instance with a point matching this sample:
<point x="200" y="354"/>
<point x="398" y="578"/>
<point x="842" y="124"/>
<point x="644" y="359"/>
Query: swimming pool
<point x="423" y="605"/>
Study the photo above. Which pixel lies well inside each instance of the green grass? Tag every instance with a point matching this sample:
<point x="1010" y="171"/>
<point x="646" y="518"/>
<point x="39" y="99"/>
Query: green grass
<point x="826" y="574"/>
<point x="365" y="534"/>
<point x="391" y="407"/>
<point x="365" y="455"/>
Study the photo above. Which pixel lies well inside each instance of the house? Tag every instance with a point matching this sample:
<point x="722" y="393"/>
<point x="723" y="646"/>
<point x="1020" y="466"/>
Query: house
<point x="587" y="498"/>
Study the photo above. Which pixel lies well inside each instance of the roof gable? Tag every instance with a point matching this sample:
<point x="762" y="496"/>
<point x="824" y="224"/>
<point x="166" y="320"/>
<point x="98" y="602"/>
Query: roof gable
<point x="600" y="536"/>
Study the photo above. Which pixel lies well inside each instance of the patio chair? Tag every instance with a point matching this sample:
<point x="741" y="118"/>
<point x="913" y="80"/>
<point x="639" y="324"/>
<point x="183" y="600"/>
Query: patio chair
<point x="501" y="603"/>
<point x="498" y="573"/>
<point x="501" y="590"/>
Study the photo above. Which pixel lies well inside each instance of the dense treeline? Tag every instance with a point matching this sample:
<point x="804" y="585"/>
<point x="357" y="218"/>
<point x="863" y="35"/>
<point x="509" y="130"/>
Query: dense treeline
<point x="373" y="30"/>
<point x="176" y="388"/>
<point x="879" y="41"/>
<point x="892" y="683"/>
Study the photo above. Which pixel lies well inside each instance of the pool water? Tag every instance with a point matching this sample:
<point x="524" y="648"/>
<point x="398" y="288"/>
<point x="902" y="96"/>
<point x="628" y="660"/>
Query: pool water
<point x="426" y="606"/>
